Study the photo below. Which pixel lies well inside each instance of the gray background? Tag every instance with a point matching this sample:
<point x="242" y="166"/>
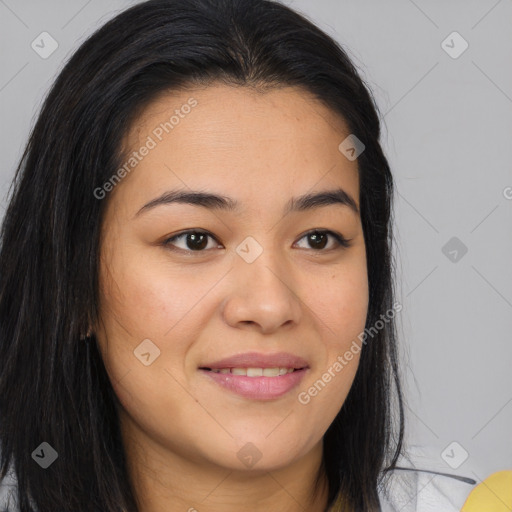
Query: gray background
<point x="447" y="127"/>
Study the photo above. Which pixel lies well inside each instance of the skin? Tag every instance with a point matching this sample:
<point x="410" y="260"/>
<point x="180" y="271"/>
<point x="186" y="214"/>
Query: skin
<point x="181" y="431"/>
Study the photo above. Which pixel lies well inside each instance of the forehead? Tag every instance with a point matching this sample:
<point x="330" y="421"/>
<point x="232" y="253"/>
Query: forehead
<point x="237" y="111"/>
<point x="242" y="142"/>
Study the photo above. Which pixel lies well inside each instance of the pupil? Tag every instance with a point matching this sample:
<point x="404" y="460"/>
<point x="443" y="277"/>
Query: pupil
<point x="194" y="237"/>
<point x="315" y="238"/>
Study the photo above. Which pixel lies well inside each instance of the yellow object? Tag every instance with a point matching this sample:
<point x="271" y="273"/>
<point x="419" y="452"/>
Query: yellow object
<point x="494" y="494"/>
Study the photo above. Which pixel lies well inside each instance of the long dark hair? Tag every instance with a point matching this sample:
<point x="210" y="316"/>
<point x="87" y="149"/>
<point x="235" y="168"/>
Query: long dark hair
<point x="53" y="387"/>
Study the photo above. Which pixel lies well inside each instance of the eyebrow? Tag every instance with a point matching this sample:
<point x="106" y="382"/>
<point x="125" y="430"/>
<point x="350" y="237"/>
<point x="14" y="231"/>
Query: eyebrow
<point x="219" y="202"/>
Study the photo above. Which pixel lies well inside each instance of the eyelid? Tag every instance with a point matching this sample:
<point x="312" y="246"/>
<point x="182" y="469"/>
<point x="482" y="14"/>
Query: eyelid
<point x="167" y="242"/>
<point x="342" y="242"/>
<point x="340" y="239"/>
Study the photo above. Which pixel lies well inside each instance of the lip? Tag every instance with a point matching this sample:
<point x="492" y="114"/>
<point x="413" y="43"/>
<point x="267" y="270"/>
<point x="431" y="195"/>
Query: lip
<point x="259" y="360"/>
<point x="257" y="388"/>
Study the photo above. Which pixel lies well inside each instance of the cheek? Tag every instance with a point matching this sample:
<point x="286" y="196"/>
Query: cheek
<point x="341" y="301"/>
<point x="144" y="311"/>
<point x="137" y="307"/>
<point x="341" y="304"/>
<point x="150" y="299"/>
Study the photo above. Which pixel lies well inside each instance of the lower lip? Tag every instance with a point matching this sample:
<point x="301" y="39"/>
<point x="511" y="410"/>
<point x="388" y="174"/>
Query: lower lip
<point x="258" y="388"/>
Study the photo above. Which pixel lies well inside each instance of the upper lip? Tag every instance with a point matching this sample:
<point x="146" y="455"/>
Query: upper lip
<point x="259" y="360"/>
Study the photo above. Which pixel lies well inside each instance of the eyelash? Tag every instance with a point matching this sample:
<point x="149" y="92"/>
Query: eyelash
<point x="342" y="242"/>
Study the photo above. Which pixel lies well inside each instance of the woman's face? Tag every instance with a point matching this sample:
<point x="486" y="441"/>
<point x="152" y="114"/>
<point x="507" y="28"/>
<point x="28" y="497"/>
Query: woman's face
<point x="249" y="281"/>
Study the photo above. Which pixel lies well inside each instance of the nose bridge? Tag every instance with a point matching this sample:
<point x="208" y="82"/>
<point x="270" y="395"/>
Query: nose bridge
<point x="262" y="291"/>
<point x="262" y="259"/>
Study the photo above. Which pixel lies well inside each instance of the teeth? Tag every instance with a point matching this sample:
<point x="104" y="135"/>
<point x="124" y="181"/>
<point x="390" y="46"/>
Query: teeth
<point x="255" y="372"/>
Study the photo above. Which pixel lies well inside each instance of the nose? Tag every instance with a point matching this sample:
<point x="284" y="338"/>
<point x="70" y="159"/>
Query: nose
<point x="261" y="295"/>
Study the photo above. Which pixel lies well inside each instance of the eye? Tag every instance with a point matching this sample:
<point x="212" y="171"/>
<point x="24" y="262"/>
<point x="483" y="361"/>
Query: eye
<point x="318" y="239"/>
<point x="197" y="241"/>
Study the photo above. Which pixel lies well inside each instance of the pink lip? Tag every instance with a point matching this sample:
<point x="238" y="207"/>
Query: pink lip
<point x="258" y="360"/>
<point x="258" y="388"/>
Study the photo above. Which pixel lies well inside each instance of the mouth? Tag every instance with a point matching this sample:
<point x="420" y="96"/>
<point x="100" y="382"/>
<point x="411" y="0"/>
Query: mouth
<point x="254" y="372"/>
<point x="254" y="363"/>
<point x="256" y="376"/>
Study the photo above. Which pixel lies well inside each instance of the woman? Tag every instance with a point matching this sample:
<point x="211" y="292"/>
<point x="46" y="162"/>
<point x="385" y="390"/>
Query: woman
<point x="196" y="302"/>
